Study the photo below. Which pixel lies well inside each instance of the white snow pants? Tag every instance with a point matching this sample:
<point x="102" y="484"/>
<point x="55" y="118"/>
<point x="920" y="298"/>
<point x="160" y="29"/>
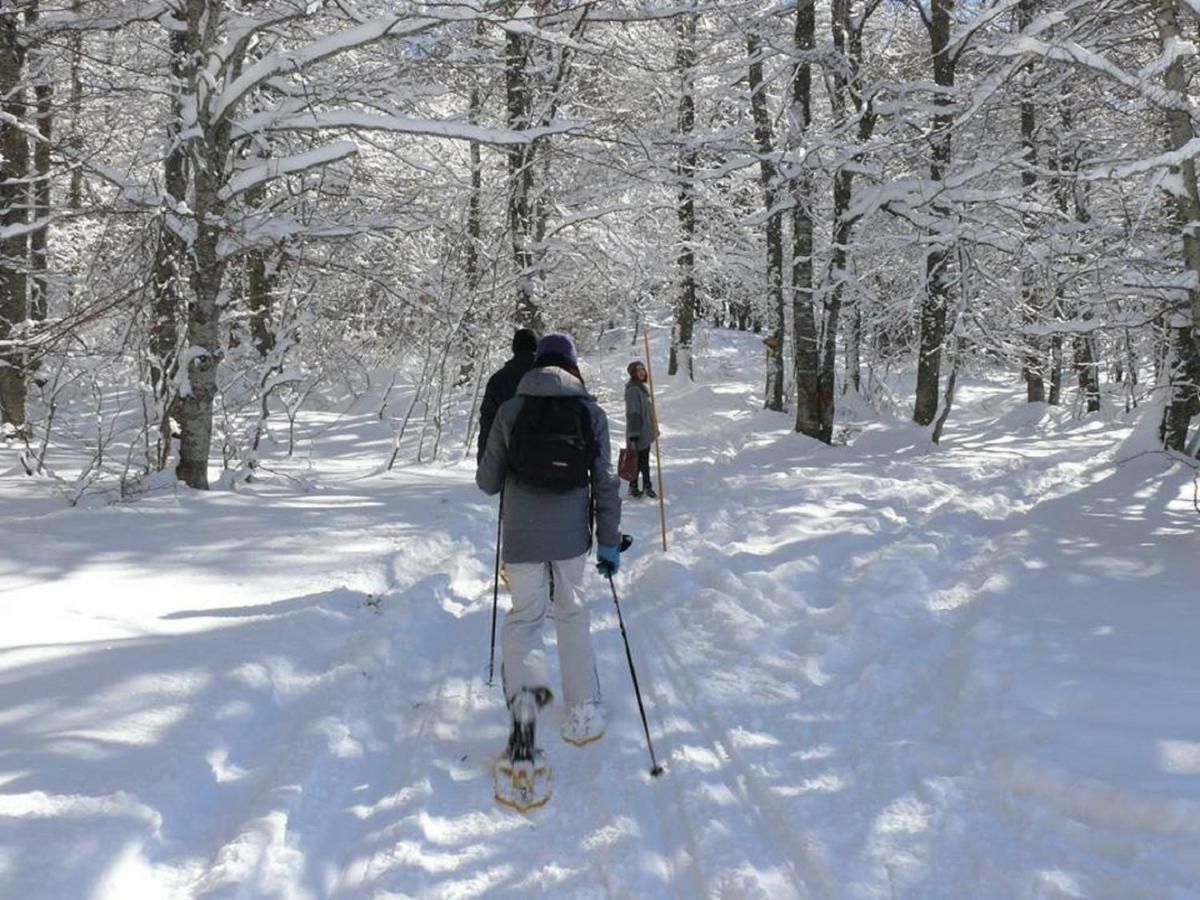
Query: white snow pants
<point x="554" y="588"/>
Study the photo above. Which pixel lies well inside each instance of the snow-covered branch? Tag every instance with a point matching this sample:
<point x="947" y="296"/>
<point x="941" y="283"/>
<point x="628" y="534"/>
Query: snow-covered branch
<point x="331" y="45"/>
<point x="288" y="165"/>
<point x="326" y="120"/>
<point x="96" y="16"/>
<point x="1071" y="52"/>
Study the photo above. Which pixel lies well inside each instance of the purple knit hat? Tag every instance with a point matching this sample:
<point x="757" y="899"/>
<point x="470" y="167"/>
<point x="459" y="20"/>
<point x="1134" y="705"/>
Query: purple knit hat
<point x="558" y="345"/>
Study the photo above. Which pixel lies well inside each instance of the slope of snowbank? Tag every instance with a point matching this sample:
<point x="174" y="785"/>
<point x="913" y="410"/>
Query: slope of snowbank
<point x="882" y="670"/>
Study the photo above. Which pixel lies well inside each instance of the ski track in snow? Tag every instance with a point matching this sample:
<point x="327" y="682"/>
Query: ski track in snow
<point x="888" y="670"/>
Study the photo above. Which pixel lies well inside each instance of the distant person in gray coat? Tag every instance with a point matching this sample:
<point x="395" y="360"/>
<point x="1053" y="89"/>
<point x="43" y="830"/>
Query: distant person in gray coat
<point x="502" y="386"/>
<point x="547" y="534"/>
<point x="641" y="428"/>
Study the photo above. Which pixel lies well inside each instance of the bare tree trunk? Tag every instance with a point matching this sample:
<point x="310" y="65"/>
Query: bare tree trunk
<point x="935" y="303"/>
<point x="76" y="140"/>
<point x="1054" y="397"/>
<point x="854" y="348"/>
<point x="210" y="160"/>
<point x="1087" y="368"/>
<point x="685" y="209"/>
<point x="14" y="210"/>
<point x="933" y="334"/>
<point x="1131" y="371"/>
<point x="171" y="251"/>
<point x="473" y="352"/>
<point x="529" y="213"/>
<point x="842" y="228"/>
<point x="806" y="360"/>
<point x="1181" y="366"/>
<point x="261" y="279"/>
<point x="846" y="88"/>
<point x="769" y="178"/>
<point x="1086" y="364"/>
<point x="1033" y="370"/>
<point x="1185" y="373"/>
<point x="260" y="288"/>
<point x="39" y="291"/>
<point x="195" y="403"/>
<point x="948" y="400"/>
<point x="475" y="200"/>
<point x="520" y="180"/>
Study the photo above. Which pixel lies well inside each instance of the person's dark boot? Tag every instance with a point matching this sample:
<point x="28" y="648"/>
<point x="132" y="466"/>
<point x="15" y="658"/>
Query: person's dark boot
<point x="521" y="776"/>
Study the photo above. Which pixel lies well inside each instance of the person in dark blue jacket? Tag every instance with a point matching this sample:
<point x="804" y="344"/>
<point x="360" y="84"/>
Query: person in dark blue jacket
<point x="502" y="385"/>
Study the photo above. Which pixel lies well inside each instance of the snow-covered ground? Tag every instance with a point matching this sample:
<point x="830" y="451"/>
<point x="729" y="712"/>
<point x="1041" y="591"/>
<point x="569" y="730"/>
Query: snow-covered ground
<point x="882" y="670"/>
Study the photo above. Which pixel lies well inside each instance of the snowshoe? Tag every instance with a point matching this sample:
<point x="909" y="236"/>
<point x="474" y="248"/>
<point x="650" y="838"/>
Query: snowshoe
<point x="521" y="776"/>
<point x="585" y="723"/>
<point x="522" y="785"/>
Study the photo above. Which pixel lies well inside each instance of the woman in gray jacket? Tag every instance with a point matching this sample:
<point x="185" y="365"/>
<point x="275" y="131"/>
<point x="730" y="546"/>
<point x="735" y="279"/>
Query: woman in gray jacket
<point x="641" y="429"/>
<point x="547" y="535"/>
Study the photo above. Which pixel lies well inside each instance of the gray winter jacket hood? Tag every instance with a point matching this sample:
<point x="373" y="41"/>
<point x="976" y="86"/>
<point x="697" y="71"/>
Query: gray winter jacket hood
<point x="551" y="382"/>
<point x="541" y="525"/>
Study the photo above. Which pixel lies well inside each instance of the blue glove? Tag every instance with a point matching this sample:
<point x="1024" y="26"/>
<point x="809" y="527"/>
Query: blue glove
<point x="608" y="560"/>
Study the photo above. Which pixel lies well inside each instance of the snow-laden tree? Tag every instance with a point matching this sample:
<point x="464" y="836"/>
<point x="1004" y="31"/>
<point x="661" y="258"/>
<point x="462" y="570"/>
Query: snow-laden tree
<point x="211" y="212"/>
<point x="1133" y="57"/>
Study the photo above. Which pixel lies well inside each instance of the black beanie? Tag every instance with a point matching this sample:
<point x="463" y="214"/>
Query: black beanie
<point x="524" y="342"/>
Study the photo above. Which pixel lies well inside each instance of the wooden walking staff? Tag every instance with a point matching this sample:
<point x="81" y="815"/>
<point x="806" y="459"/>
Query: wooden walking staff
<point x="662" y="490"/>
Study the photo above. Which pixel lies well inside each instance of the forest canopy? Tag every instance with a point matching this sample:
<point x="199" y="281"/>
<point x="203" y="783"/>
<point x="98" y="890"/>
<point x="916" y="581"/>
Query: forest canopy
<point x="209" y="209"/>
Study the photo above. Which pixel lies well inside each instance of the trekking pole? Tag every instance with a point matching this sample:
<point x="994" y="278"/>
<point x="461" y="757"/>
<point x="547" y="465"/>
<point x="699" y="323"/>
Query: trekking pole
<point x="655" y="768"/>
<point x="662" y="488"/>
<point x="495" y="590"/>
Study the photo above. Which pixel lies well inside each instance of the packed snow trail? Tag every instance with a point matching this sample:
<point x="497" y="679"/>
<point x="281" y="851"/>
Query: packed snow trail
<point x="880" y="670"/>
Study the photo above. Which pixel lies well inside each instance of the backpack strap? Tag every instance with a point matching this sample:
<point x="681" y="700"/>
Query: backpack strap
<point x="591" y="515"/>
<point x="593" y="449"/>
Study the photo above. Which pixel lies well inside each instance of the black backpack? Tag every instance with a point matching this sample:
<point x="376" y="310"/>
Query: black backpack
<point x="552" y="444"/>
